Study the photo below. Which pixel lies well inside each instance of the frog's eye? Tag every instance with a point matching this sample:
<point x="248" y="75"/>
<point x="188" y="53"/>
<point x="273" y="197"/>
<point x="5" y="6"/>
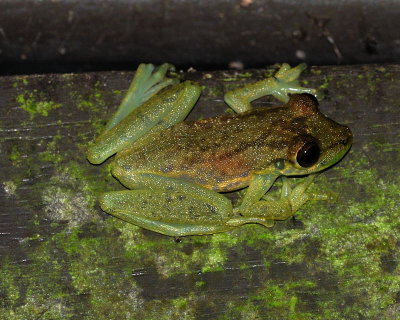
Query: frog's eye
<point x="308" y="154"/>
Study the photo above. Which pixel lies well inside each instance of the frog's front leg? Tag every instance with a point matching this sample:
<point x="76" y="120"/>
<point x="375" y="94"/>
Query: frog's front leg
<point x="280" y="86"/>
<point x="280" y="209"/>
<point x="168" y="206"/>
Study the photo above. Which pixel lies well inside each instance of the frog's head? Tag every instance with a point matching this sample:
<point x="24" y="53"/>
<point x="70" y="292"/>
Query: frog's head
<point x="319" y="142"/>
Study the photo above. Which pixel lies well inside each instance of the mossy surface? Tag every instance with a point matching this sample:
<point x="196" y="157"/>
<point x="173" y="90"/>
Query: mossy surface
<point x="334" y="260"/>
<point x="34" y="101"/>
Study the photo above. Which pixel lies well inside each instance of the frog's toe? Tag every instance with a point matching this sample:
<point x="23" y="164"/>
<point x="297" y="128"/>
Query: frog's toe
<point x="147" y="82"/>
<point x="160" y="72"/>
<point x="158" y="80"/>
<point x="151" y="79"/>
<point x="288" y="74"/>
<point x="326" y="196"/>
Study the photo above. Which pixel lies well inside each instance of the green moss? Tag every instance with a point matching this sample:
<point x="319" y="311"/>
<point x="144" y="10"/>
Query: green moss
<point x="386" y="147"/>
<point x="245" y="75"/>
<point x="15" y="154"/>
<point x="69" y="196"/>
<point x="326" y="82"/>
<point x="270" y="72"/>
<point x="34" y="103"/>
<point x="371" y="82"/>
<point x="238" y="76"/>
<point x="213" y="92"/>
<point x="93" y="101"/>
<point x="232" y="79"/>
<point x="170" y="309"/>
<point x="52" y="152"/>
<point x="9" y="290"/>
<point x="315" y="71"/>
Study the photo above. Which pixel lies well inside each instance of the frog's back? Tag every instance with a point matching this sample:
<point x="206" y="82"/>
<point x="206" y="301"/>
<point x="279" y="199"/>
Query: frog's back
<point x="220" y="153"/>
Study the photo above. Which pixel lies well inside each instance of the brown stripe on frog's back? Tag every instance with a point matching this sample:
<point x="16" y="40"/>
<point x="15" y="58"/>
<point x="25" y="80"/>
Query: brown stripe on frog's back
<point x="221" y="153"/>
<point x="220" y="171"/>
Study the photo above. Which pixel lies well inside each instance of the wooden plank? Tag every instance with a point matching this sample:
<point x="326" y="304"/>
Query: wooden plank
<point x="62" y="258"/>
<point x="92" y="35"/>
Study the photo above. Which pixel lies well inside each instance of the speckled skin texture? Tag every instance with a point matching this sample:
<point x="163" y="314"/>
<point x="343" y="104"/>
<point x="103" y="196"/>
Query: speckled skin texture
<point x="165" y="162"/>
<point x="223" y="153"/>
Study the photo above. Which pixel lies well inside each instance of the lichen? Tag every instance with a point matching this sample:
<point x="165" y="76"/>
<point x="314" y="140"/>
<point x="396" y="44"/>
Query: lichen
<point x="9" y="187"/>
<point x="69" y="198"/>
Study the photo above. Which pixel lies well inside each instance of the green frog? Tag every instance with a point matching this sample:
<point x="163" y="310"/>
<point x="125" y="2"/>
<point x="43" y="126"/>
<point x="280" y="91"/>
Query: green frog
<point x="175" y="171"/>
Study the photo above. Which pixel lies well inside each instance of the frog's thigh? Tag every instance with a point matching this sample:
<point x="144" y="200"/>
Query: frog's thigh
<point x="155" y="182"/>
<point x="168" y="210"/>
<point x="169" y="206"/>
<point x="146" y="210"/>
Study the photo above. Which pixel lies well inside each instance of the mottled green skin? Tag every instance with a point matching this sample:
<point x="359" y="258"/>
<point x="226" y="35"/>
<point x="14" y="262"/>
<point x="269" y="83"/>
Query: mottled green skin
<point x="171" y="166"/>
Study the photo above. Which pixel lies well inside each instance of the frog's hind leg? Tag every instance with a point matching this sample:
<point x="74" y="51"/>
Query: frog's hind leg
<point x="280" y="86"/>
<point x="116" y="204"/>
<point x="159" y="112"/>
<point x="169" y="206"/>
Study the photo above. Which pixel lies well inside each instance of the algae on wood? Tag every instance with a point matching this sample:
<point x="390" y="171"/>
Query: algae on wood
<point x="62" y="258"/>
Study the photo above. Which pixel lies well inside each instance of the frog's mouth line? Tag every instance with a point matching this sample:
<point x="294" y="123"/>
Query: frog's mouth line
<point x="329" y="161"/>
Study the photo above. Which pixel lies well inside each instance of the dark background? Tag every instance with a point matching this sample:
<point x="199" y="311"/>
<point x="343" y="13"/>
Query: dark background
<point x="92" y="35"/>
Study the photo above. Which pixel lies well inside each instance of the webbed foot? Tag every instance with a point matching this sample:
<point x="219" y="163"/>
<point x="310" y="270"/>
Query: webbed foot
<point x="258" y="204"/>
<point x="147" y="82"/>
<point x="284" y="82"/>
<point x="287" y="82"/>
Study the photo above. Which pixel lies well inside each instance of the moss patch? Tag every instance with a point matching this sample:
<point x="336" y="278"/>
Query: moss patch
<point x="34" y="103"/>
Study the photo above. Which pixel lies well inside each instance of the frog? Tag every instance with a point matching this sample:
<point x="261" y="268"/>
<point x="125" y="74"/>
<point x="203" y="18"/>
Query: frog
<point x="177" y="173"/>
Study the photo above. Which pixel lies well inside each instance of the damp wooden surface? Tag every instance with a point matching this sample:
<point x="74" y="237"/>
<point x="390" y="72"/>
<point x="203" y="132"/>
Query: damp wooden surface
<point x="62" y="258"/>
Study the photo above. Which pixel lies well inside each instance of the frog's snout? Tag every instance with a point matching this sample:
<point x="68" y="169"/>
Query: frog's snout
<point x="347" y="137"/>
<point x="346" y="141"/>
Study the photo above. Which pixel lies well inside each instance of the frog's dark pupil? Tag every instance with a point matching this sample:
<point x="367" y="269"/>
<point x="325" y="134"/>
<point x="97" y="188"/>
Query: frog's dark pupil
<point x="308" y="155"/>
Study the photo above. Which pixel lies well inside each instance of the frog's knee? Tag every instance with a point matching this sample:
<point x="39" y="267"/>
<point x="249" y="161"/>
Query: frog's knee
<point x="121" y="173"/>
<point x="107" y="202"/>
<point x="94" y="155"/>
